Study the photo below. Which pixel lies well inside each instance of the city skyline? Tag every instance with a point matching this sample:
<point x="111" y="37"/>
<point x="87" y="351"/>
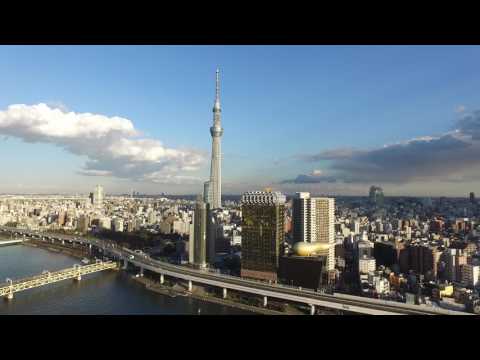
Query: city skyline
<point x="323" y="119"/>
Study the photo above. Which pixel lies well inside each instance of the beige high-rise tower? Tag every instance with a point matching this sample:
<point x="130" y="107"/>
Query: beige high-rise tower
<point x="215" y="184"/>
<point x="314" y="221"/>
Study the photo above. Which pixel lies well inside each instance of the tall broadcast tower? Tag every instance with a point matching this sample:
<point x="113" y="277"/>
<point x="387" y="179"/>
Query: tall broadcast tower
<point x="215" y="184"/>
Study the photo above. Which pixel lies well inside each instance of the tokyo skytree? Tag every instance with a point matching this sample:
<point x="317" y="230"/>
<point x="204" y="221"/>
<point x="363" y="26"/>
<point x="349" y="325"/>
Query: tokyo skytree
<point x="215" y="185"/>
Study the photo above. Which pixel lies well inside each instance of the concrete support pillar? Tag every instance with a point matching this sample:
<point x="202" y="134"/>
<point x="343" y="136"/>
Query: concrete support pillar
<point x="63" y="242"/>
<point x="162" y="279"/>
<point x="312" y="309"/>
<point x="190" y="285"/>
<point x="224" y="293"/>
<point x="265" y="301"/>
<point x="10" y="296"/>
<point x="78" y="278"/>
<point x="125" y="264"/>
<point x="141" y="272"/>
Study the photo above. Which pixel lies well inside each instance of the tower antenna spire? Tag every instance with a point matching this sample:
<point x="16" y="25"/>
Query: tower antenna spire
<point x="217" y="91"/>
<point x="217" y="87"/>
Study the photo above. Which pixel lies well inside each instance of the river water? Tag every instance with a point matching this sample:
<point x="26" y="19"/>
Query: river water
<point x="104" y="293"/>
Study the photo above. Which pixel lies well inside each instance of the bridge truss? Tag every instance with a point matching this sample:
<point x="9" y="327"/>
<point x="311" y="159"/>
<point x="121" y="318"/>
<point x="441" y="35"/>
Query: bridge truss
<point x="76" y="272"/>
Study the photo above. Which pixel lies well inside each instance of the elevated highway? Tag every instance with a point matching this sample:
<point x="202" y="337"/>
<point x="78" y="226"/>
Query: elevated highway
<point x="355" y="304"/>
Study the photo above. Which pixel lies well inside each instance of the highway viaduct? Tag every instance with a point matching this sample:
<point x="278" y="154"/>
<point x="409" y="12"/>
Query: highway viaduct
<point x="355" y="304"/>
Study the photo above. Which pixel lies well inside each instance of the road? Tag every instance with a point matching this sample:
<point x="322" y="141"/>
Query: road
<point x="343" y="302"/>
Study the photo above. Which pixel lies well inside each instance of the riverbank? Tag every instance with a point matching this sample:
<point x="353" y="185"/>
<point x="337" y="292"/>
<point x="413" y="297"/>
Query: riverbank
<point x="10" y="242"/>
<point x="200" y="294"/>
<point x="104" y="294"/>
<point x="79" y="254"/>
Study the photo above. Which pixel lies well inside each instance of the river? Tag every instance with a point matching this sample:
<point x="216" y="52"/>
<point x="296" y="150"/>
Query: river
<point x="104" y="293"/>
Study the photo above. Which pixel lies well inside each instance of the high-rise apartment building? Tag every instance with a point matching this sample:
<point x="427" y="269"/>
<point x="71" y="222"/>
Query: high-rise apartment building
<point x="421" y="258"/>
<point x="471" y="274"/>
<point x="262" y="233"/>
<point x="355" y="227"/>
<point x="365" y="247"/>
<point x="366" y="264"/>
<point x="314" y="221"/>
<point x="215" y="183"/>
<point x="98" y="196"/>
<point x="117" y="224"/>
<point x="62" y="216"/>
<point x="83" y="223"/>
<point x="454" y="259"/>
<point x="151" y="217"/>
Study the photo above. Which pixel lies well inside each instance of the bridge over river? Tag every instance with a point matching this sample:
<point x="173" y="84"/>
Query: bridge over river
<point x="312" y="298"/>
<point x="12" y="286"/>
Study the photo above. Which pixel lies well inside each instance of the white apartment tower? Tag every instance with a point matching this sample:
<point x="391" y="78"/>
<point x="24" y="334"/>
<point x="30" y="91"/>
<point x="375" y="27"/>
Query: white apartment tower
<point x="98" y="196"/>
<point x="314" y="221"/>
<point x="471" y="274"/>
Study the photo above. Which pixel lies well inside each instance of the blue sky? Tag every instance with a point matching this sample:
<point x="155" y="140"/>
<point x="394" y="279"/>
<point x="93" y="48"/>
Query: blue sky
<point x="281" y="105"/>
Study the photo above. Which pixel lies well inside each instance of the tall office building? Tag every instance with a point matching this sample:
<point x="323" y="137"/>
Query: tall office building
<point x="98" y="196"/>
<point x="215" y="184"/>
<point x="207" y="195"/>
<point x="212" y="225"/>
<point x="472" y="198"/>
<point x="199" y="236"/>
<point x="262" y="233"/>
<point x="303" y="219"/>
<point x="314" y="221"/>
<point x="191" y="240"/>
<point x="376" y="195"/>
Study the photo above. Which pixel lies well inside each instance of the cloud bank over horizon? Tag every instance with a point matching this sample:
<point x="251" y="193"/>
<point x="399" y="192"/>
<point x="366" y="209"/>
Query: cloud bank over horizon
<point x="112" y="145"/>
<point x="451" y="157"/>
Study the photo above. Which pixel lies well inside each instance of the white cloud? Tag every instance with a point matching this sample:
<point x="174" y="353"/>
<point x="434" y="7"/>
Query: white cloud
<point x="111" y="144"/>
<point x="460" y="109"/>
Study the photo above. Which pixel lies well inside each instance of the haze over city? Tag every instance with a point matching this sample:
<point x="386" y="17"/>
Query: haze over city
<point x="329" y="119"/>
